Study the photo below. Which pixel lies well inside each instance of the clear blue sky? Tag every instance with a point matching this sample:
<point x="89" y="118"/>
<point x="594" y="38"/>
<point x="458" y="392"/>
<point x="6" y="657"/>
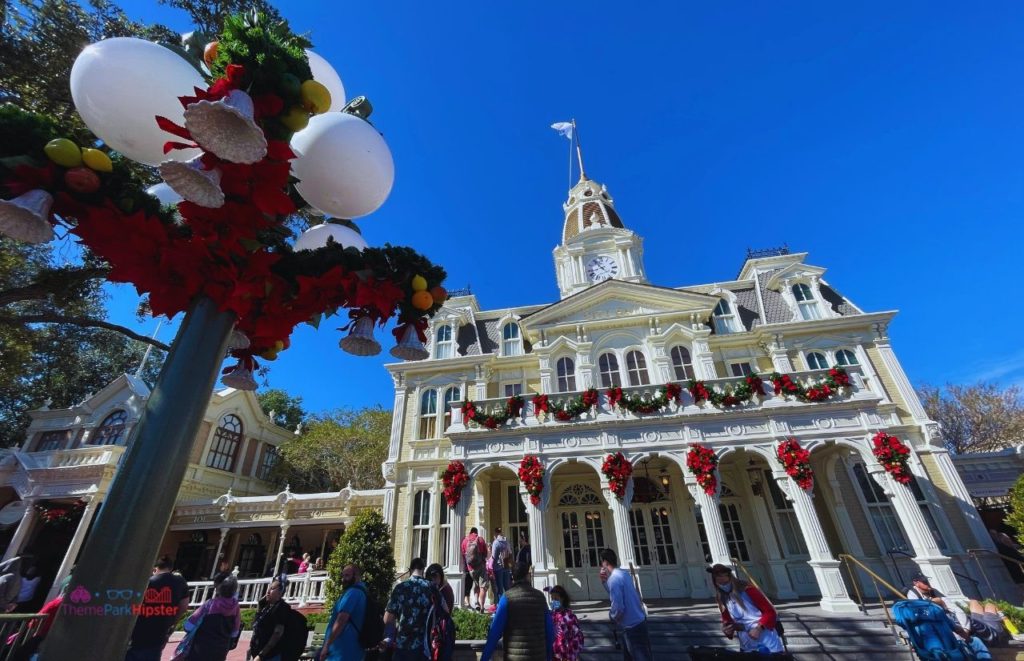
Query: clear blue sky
<point x="885" y="139"/>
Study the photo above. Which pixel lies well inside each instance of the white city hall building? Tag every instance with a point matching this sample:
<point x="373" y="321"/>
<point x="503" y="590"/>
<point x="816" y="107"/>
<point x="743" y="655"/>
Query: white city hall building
<point x="611" y="327"/>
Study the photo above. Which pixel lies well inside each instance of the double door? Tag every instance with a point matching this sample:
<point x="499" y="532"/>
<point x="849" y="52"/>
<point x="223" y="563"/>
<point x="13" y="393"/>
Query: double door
<point x="656" y="550"/>
<point x="583" y="537"/>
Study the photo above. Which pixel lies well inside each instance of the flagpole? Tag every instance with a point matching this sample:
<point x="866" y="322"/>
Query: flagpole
<point x="149" y="349"/>
<point x="573" y="137"/>
<point x="579" y="150"/>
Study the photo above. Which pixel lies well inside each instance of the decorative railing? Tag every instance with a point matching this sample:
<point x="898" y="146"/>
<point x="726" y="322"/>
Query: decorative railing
<point x="301" y="589"/>
<point x="90" y="455"/>
<point x="861" y="388"/>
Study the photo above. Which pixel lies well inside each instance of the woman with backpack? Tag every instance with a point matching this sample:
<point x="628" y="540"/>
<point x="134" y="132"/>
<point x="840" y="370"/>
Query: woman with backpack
<point x="746" y="613"/>
<point x="213" y="629"/>
<point x="568" y="635"/>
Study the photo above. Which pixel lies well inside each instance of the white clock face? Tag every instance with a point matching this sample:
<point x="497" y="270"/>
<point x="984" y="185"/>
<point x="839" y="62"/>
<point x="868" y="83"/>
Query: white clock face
<point x="601" y="268"/>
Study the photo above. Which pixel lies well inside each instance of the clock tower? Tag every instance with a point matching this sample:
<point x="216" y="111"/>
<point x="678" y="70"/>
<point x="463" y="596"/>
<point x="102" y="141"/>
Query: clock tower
<point x="595" y="246"/>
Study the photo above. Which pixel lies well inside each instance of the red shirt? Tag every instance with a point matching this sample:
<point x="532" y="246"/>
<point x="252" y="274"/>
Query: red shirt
<point x="768" y="614"/>
<point x="481" y="548"/>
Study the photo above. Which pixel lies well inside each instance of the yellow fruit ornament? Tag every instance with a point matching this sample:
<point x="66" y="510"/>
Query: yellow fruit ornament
<point x="422" y="300"/>
<point x="316" y="98"/>
<point x="295" y="119"/>
<point x="419" y="283"/>
<point x="97" y="160"/>
<point x="63" y="152"/>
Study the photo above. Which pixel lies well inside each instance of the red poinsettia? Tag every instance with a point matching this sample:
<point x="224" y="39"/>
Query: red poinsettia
<point x="540" y="404"/>
<point x="835" y="381"/>
<point x="702" y="462"/>
<point x="617" y="469"/>
<point x="893" y="455"/>
<point x="797" y="462"/>
<point x="614" y="395"/>
<point x="531" y="474"/>
<point x="454" y="479"/>
<point x="60" y="514"/>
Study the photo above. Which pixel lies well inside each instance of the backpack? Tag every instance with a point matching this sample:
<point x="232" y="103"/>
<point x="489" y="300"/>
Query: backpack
<point x="293" y="641"/>
<point x="474" y="559"/>
<point x="930" y="631"/>
<point x="373" y="624"/>
<point x="439" y="639"/>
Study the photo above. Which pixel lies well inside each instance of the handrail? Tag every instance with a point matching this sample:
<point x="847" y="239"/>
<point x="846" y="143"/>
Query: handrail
<point x="870" y="572"/>
<point x="899" y="575"/>
<point x="750" y="578"/>
<point x="974" y="554"/>
<point x="876" y="580"/>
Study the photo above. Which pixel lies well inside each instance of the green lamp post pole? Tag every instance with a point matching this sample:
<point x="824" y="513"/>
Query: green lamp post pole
<point x="124" y="541"/>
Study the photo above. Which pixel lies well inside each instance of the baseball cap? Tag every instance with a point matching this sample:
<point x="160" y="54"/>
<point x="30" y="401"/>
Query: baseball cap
<point x="719" y="569"/>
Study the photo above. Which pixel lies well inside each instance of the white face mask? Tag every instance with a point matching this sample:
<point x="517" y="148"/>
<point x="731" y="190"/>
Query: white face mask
<point x="725" y="588"/>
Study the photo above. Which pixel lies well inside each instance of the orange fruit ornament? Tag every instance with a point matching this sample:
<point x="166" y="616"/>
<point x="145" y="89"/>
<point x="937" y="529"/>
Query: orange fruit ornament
<point x="210" y="53"/>
<point x="439" y="294"/>
<point x="422" y="300"/>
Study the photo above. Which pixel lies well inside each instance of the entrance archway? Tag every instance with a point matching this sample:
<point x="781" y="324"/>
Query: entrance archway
<point x="583" y="526"/>
<point x="654" y="530"/>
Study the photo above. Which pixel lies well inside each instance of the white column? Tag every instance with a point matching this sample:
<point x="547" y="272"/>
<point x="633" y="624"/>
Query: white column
<point x="703" y="359"/>
<point x="220" y="547"/>
<point x="620" y="519"/>
<point x="280" y="548"/>
<point x="944" y="464"/>
<point x="834" y="596"/>
<point x="713" y="527"/>
<point x="927" y="555"/>
<point x="537" y="518"/>
<point x="776" y="561"/>
<point x="777" y="352"/>
<point x="394" y="449"/>
<point x="28" y="520"/>
<point x="458" y="515"/>
<point x="71" y="555"/>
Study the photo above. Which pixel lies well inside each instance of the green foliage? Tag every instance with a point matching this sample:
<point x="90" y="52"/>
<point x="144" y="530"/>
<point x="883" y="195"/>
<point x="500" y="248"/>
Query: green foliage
<point x="470" y="625"/>
<point x="1015" y="518"/>
<point x="366" y="543"/>
<point x="335" y="449"/>
<point x="288" y="411"/>
<point x="1014" y="613"/>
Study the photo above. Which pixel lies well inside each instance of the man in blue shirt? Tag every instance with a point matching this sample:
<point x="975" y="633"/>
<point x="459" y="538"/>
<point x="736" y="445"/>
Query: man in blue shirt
<point x="521" y="617"/>
<point x="627" y="608"/>
<point x="341" y="642"/>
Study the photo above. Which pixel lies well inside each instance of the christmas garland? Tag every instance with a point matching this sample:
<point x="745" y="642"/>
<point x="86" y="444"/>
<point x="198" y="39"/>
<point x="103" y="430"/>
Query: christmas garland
<point x="570" y="409"/>
<point x="833" y="385"/>
<point x="702" y="462"/>
<point x="60" y="515"/>
<point x="531" y="474"/>
<point x="617" y="469"/>
<point x="893" y="454"/>
<point x="797" y="462"/>
<point x="740" y="394"/>
<point x="495" y="417"/>
<point x="454" y="479"/>
<point x="672" y="392"/>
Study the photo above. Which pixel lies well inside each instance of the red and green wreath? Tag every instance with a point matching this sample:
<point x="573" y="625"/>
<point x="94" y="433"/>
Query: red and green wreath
<point x="740" y="394"/>
<point x="797" y="462"/>
<point x="495" y="417"/>
<point x="893" y="454"/>
<point x="454" y="479"/>
<point x="834" y="384"/>
<point x="702" y="462"/>
<point x="53" y="514"/>
<point x="672" y="392"/>
<point x="568" y="410"/>
<point x="531" y="474"/>
<point x="617" y="469"/>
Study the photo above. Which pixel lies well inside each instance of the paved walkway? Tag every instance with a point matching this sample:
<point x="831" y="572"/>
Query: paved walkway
<point x="237" y="654"/>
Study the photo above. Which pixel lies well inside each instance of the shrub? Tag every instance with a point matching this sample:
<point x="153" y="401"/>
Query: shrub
<point x="470" y="625"/>
<point x="313" y="619"/>
<point x="367" y="544"/>
<point x="1014" y="613"/>
<point x="1015" y="519"/>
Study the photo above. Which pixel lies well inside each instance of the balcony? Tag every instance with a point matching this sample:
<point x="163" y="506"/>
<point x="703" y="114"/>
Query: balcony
<point x="89" y="455"/>
<point x="861" y="388"/>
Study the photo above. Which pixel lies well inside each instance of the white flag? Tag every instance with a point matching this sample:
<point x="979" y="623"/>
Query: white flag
<point x="563" y="128"/>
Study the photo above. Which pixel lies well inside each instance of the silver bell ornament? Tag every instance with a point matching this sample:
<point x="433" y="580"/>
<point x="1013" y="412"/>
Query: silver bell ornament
<point x="194" y="183"/>
<point x="26" y="217"/>
<point x="359" y="341"/>
<point x="410" y="347"/>
<point x="240" y="378"/>
<point x="227" y="128"/>
<point x="238" y="340"/>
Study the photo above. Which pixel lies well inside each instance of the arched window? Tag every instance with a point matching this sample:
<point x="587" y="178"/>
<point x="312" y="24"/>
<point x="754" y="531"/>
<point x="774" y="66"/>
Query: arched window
<point x="636" y="367"/>
<point x="806" y="302"/>
<point x="566" y="371"/>
<point x="817" y="361"/>
<point x="428" y="414"/>
<point x="111" y="430"/>
<point x="682" y="364"/>
<point x="725" y="318"/>
<point x="226" y="442"/>
<point x="452" y="397"/>
<point x="845" y="357"/>
<point x="881" y="511"/>
<point x="511" y="343"/>
<point x="608" y="366"/>
<point x="443" y="345"/>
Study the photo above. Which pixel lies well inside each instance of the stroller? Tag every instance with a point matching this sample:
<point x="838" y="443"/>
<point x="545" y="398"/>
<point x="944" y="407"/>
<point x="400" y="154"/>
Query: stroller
<point x="930" y="633"/>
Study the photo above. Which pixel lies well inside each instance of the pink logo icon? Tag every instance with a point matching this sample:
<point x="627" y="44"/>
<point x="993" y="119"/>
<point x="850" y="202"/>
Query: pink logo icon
<point x="80" y="595"/>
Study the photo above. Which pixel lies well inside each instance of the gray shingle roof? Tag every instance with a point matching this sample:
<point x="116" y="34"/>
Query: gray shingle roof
<point x="836" y="300"/>
<point x="746" y="305"/>
<point x="465" y="341"/>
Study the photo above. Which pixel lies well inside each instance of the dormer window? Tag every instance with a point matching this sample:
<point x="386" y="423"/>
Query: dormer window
<point x="444" y="347"/>
<point x="809" y="308"/>
<point x="817" y="361"/>
<point x="636" y="368"/>
<point x="845" y="358"/>
<point x="111" y="430"/>
<point x="511" y="342"/>
<point x="226" y="442"/>
<point x="682" y="364"/>
<point x="566" y="371"/>
<point x="725" y="318"/>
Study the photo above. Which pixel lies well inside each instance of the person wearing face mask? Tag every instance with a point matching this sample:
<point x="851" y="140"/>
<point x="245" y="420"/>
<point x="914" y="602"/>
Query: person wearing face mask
<point x="568" y="636"/>
<point x="746" y="613"/>
<point x="341" y="643"/>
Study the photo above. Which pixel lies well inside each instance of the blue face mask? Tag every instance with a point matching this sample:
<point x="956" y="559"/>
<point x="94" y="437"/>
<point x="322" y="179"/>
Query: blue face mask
<point x="725" y="588"/>
<point x="555" y="604"/>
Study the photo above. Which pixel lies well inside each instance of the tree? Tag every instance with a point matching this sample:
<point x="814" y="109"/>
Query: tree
<point x="337" y="448"/>
<point x="365" y="543"/>
<point x="287" y="410"/>
<point x="978" y="418"/>
<point x="1015" y="518"/>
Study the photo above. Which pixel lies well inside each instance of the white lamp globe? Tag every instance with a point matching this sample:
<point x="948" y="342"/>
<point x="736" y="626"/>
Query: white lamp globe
<point x="317" y="236"/>
<point x="164" y="193"/>
<point x="344" y="166"/>
<point x="325" y="74"/>
<point x="119" y="87"/>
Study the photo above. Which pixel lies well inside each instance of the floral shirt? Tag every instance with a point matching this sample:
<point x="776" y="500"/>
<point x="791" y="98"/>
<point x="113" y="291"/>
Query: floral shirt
<point x="410" y="603"/>
<point x="568" y="637"/>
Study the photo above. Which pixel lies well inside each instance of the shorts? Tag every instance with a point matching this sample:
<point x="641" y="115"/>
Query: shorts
<point x="989" y="627"/>
<point x="479" y="576"/>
